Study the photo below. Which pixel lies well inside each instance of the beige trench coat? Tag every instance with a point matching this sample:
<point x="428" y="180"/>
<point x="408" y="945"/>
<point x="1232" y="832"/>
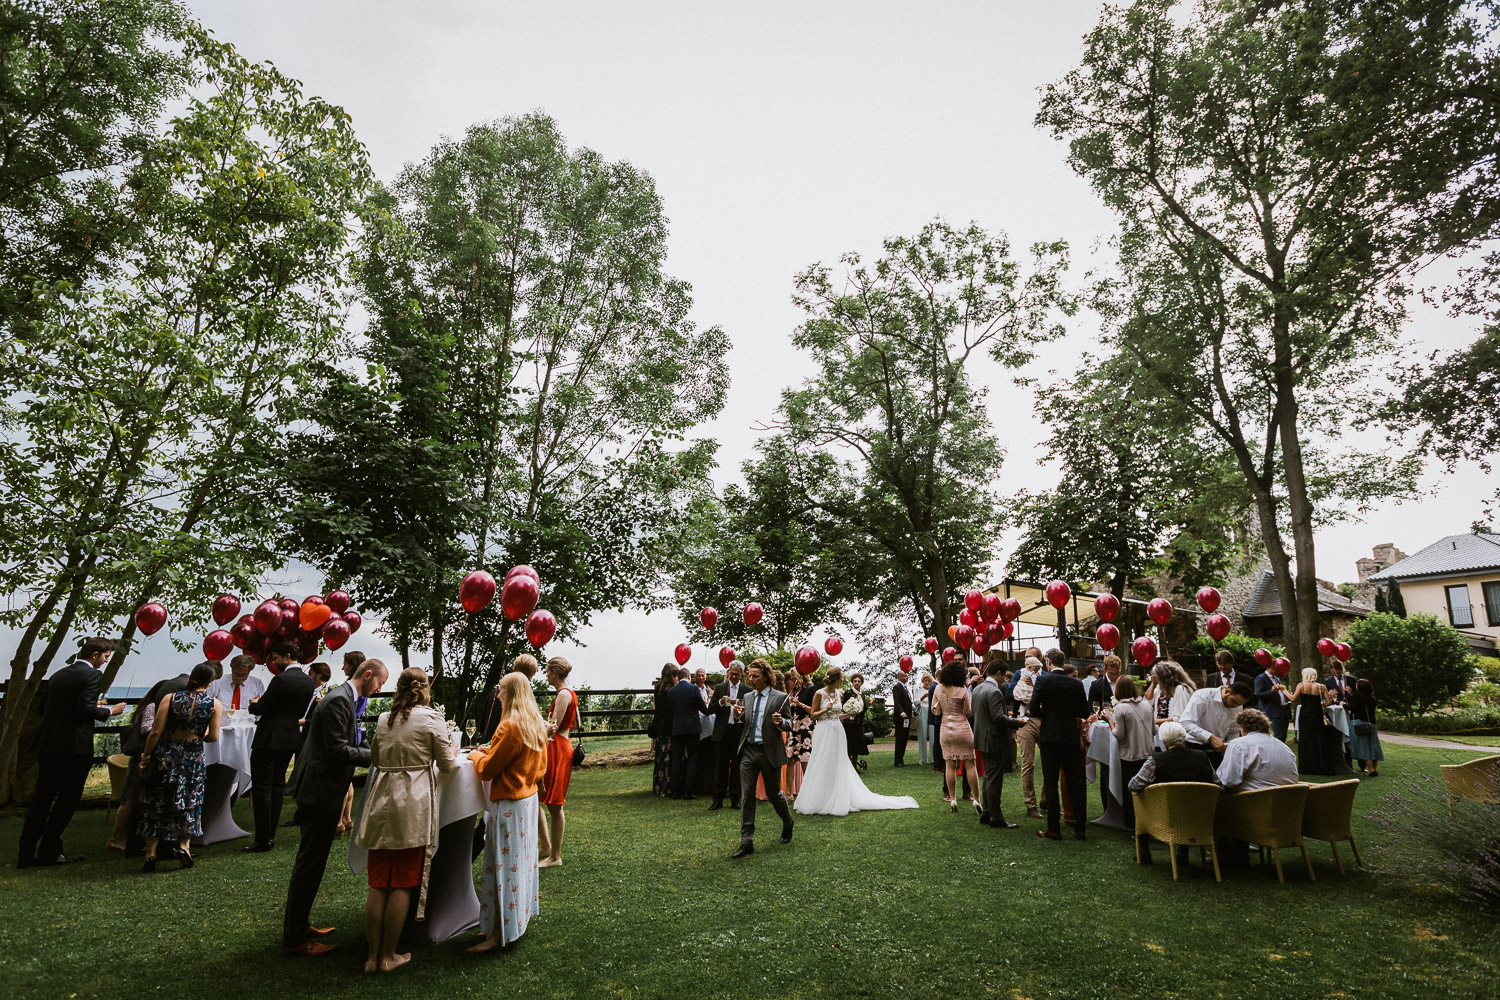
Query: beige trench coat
<point x="400" y="808"/>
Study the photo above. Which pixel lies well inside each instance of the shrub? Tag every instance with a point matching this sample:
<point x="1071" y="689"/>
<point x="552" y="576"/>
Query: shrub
<point x="1416" y="663"/>
<point x="878" y="716"/>
<point x="1426" y="851"/>
<point x="1475" y="721"/>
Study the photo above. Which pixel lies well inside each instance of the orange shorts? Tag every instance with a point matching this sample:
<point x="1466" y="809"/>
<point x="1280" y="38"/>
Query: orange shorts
<point x="395" y="869"/>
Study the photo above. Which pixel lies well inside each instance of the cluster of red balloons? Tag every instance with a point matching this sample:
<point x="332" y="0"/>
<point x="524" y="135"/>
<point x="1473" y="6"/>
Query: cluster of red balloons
<point x="1327" y="647"/>
<point x="984" y="622"/>
<point x="327" y="619"/>
<point x="519" y="595"/>
<point x="709" y="619"/>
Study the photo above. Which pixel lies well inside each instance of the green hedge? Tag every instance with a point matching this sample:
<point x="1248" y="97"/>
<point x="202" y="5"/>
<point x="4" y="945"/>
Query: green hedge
<point x="1473" y="721"/>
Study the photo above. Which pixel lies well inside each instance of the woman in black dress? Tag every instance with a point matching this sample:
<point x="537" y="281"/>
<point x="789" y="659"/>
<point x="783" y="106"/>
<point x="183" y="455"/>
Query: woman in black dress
<point x="660" y="732"/>
<point x="1312" y="742"/>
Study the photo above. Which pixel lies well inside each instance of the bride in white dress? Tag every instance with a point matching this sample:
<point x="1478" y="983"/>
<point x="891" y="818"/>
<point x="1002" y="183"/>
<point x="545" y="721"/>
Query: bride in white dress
<point x="830" y="785"/>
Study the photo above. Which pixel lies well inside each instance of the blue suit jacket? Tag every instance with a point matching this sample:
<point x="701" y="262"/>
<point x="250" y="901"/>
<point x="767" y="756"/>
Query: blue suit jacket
<point x="687" y="702"/>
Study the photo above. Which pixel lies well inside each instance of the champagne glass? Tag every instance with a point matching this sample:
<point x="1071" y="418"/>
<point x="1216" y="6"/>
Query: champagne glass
<point x="469" y="731"/>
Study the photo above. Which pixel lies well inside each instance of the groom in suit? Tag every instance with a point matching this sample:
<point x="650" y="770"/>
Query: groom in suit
<point x="325" y="766"/>
<point x="901" y="715"/>
<point x="763" y="753"/>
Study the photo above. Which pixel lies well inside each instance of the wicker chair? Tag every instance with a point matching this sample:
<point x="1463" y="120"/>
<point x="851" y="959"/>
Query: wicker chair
<point x="1478" y="780"/>
<point x="1178" y="813"/>
<point x="1270" y="818"/>
<point x="119" y="767"/>
<point x="1329" y="808"/>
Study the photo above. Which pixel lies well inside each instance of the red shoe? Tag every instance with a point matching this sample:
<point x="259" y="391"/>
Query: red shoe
<point x="320" y="931"/>
<point x="307" y="949"/>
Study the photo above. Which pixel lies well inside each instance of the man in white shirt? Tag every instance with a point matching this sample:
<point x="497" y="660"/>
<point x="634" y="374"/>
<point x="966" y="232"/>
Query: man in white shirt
<point x="1209" y="718"/>
<point x="237" y="690"/>
<point x="1257" y="759"/>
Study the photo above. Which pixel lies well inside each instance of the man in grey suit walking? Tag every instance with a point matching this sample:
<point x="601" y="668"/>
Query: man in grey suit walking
<point x="763" y="753"/>
<point x="993" y="742"/>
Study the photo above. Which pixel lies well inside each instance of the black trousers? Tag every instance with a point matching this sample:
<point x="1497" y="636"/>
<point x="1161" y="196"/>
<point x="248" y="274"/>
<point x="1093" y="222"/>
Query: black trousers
<point x="267" y="789"/>
<point x="994" y="784"/>
<point x="903" y="733"/>
<point x="1129" y="769"/>
<point x="684" y="764"/>
<point x="60" y="778"/>
<point x="726" y="770"/>
<point x="1064" y="758"/>
<point x="318" y="827"/>
<point x="754" y="763"/>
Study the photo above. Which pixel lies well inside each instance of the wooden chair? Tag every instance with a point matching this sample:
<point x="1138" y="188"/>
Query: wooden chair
<point x="1270" y="818"/>
<point x="119" y="767"/>
<point x="1178" y="813"/>
<point x="1477" y="780"/>
<point x="1330" y="807"/>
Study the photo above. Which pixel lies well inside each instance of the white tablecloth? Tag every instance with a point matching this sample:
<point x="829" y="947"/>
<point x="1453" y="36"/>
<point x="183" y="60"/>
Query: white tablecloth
<point x="1105" y="749"/>
<point x="1338" y="717"/>
<point x="232" y="749"/>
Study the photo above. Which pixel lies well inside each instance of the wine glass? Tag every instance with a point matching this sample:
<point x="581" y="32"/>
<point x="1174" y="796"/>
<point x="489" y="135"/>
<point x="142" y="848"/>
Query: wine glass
<point x="469" y="730"/>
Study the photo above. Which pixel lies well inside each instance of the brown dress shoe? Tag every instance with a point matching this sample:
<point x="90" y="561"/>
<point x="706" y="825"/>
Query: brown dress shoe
<point x="1034" y="813"/>
<point x="307" y="949"/>
<point x="1048" y="835"/>
<point x="320" y="931"/>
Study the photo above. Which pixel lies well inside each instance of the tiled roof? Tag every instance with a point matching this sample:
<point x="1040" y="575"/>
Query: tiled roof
<point x="1266" y="603"/>
<point x="1454" y="554"/>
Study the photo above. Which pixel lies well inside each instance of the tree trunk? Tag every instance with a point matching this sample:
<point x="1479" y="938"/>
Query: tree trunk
<point x="1307" y="621"/>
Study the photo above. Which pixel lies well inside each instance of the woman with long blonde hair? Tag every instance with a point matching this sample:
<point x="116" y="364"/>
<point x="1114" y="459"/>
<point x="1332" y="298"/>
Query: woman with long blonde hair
<point x="513" y="763"/>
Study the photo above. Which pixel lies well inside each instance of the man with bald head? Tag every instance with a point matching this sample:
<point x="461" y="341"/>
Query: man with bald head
<point x="324" y="769"/>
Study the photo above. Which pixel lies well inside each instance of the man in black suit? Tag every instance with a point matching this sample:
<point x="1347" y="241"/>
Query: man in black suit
<point x="1339" y="684"/>
<point x="1224" y="674"/>
<point x="278" y="736"/>
<point x="1270" y="694"/>
<point x="324" y="769"/>
<point x="687" y="704"/>
<point x="1058" y="701"/>
<point x="64" y="753"/>
<point x="901" y="715"/>
<point x="1102" y="693"/>
<point x="726" y="735"/>
<point x="994" y="742"/>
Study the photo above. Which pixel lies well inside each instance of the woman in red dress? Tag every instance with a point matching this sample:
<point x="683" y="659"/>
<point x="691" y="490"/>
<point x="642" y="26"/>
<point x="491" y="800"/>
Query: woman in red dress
<point x="560" y="723"/>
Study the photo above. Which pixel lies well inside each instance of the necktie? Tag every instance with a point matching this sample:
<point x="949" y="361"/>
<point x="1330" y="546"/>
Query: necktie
<point x="234" y="705"/>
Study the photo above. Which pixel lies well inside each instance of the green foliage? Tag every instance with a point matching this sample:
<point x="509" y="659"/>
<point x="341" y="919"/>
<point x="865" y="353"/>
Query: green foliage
<point x="1380" y="602"/>
<point x="877" y="715"/>
<point x="1397" y="602"/>
<point x="1479" y="719"/>
<point x="1242" y="646"/>
<point x="1415" y="663"/>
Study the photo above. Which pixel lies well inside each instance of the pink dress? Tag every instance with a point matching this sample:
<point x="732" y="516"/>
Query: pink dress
<point x="956" y="737"/>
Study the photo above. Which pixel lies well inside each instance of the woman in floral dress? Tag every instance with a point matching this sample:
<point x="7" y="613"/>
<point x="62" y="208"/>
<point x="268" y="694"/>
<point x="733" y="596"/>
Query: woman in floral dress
<point x="172" y="766"/>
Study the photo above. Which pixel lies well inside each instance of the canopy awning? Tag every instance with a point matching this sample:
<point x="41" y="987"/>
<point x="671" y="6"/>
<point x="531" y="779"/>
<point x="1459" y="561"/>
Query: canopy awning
<point x="1036" y="611"/>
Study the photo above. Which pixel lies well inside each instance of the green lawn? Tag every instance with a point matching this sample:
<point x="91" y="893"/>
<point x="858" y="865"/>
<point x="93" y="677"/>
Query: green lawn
<point x="919" y="903"/>
<point x="1477" y="741"/>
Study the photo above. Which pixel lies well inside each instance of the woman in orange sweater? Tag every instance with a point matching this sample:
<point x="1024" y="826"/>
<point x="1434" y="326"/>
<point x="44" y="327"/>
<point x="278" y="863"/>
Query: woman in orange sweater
<point x="513" y="763"/>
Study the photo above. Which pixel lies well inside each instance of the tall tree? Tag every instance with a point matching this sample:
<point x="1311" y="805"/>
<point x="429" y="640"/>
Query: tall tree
<point x="891" y="438"/>
<point x="1280" y="172"/>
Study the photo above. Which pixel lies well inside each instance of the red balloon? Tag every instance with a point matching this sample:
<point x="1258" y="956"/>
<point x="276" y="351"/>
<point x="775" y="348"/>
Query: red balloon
<point x="1058" y="594"/>
<point x="337" y="601"/>
<point x="968" y="618"/>
<point x="1281" y="665"/>
<point x="833" y="645"/>
<point x="1106" y="606"/>
<point x="217" y="644"/>
<point x="150" y="617"/>
<point x="684" y="652"/>
<point x="242" y="633"/>
<point x="1159" y="610"/>
<point x="1326" y="647"/>
<point x="709" y="617"/>
<point x="973" y="599"/>
<point x="980" y="646"/>
<point x="247" y="620"/>
<point x="226" y="607"/>
<point x="1208" y="599"/>
<point x="541" y="625"/>
<point x="313" y="616"/>
<point x="267" y="617"/>
<point x="726" y="656"/>
<point x="989" y="608"/>
<point x="1144" y="650"/>
<point x="314" y="599"/>
<point x="994" y="632"/>
<point x="806" y="661"/>
<point x="1343" y="651"/>
<point x="1217" y="627"/>
<point x="1010" y="609"/>
<point x="307" y="649"/>
<point x="906" y="663"/>
<point x="949" y="654"/>
<point x="477" y="591"/>
<point x="288" y="604"/>
<point x="752" y="614"/>
<point x="964" y="636"/>
<point x="1107" y="636"/>
<point x="336" y="633"/>
<point x="1007" y="629"/>
<point x="518" y="597"/>
<point x="288" y="621"/>
<point x="354" y="621"/>
<point x="930" y="644"/>
<point x="1264" y="658"/>
<point x="522" y="570"/>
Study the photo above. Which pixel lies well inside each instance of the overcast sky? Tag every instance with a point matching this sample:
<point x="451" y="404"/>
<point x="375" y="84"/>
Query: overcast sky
<point x="779" y="135"/>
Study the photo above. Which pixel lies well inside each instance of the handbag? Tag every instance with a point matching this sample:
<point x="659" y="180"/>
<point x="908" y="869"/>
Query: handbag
<point x="578" y="755"/>
<point x="1364" y="728"/>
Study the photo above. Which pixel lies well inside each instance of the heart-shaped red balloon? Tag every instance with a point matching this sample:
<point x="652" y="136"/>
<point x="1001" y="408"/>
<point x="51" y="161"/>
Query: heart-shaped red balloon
<point x="906" y="663"/>
<point x="226" y="607"/>
<point x="217" y="644"/>
<point x="753" y="614"/>
<point x="1144" y="650"/>
<point x="477" y="591"/>
<point x="541" y="625"/>
<point x="1107" y="636"/>
<point x="1159" y="610"/>
<point x="683" y="652"/>
<point x="1208" y="599"/>
<point x="1058" y="594"/>
<point x="312" y="616"/>
<point x="518" y="597"/>
<point x="1217" y="627"/>
<point x="973" y="600"/>
<point x="930" y="644"/>
<point x="150" y="617"/>
<point x="1106" y="606"/>
<point x="709" y="618"/>
<point x="726" y="656"/>
<point x="338" y="600"/>
<point x="833" y="645"/>
<point x="806" y="661"/>
<point x="335" y="633"/>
